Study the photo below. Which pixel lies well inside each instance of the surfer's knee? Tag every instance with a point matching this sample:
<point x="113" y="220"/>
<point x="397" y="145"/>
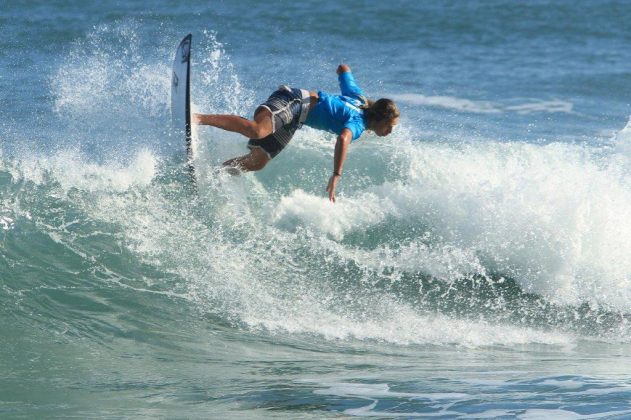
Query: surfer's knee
<point x="258" y="159"/>
<point x="243" y="165"/>
<point x="254" y="129"/>
<point x="258" y="131"/>
<point x="262" y="124"/>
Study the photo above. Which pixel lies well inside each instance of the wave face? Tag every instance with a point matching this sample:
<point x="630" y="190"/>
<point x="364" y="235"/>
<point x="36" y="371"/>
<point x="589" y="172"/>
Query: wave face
<point x="491" y="221"/>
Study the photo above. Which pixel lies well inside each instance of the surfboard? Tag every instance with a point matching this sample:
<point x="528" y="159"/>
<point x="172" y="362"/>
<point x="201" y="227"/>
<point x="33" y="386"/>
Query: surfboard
<point x="181" y="99"/>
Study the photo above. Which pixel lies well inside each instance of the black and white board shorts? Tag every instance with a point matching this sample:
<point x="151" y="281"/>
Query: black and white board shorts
<point x="289" y="108"/>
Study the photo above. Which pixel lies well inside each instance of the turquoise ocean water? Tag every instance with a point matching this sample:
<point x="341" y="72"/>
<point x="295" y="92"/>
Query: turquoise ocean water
<point x="477" y="263"/>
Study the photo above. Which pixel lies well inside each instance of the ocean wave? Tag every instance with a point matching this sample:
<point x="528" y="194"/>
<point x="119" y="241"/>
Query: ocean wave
<point x="552" y="217"/>
<point x="425" y="243"/>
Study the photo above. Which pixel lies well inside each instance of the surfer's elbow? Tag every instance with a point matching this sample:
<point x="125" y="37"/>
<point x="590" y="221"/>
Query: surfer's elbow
<point x="345" y="138"/>
<point x="343" y="68"/>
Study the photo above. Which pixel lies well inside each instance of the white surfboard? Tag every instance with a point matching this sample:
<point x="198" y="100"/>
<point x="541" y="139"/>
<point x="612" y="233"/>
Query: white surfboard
<point x="181" y="98"/>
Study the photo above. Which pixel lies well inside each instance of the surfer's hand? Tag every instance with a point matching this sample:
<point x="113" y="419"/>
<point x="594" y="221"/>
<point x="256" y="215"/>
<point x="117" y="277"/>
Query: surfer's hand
<point x="331" y="187"/>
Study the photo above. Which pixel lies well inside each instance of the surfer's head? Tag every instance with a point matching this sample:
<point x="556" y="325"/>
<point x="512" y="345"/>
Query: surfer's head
<point x="381" y="116"/>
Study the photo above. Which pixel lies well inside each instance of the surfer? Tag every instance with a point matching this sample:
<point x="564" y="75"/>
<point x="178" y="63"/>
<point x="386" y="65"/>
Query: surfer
<point x="348" y="115"/>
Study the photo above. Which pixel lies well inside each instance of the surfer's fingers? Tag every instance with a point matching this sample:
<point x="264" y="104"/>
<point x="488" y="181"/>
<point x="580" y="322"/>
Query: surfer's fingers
<point x="331" y="189"/>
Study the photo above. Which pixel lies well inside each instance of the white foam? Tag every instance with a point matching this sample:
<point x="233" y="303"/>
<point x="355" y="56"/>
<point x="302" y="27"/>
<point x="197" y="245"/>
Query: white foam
<point x="6" y="222"/>
<point x="564" y="384"/>
<point x="98" y="79"/>
<point x="394" y="322"/>
<point x="560" y="414"/>
<point x="486" y="107"/>
<point x="448" y="102"/>
<point x="333" y="219"/>
<point x="542" y="106"/>
<point x="551" y="217"/>
<point x="554" y="218"/>
<point x="379" y="390"/>
<point x="216" y="86"/>
<point x="73" y="170"/>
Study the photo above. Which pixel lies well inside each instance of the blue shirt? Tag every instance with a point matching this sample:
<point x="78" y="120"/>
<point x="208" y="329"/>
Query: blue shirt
<point x="336" y="112"/>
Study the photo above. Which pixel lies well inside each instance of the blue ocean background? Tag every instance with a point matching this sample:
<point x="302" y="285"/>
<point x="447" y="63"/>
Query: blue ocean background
<point x="476" y="265"/>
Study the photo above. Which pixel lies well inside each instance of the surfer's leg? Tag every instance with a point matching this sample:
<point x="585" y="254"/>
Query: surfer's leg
<point x="257" y="129"/>
<point x="253" y="161"/>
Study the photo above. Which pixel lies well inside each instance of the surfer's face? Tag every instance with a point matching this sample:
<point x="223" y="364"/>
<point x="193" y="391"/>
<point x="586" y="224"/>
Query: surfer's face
<point x="385" y="127"/>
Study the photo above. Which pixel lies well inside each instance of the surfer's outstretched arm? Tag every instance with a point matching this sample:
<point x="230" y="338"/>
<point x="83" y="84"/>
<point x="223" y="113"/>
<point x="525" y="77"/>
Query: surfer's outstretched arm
<point x="341" y="148"/>
<point x="257" y="129"/>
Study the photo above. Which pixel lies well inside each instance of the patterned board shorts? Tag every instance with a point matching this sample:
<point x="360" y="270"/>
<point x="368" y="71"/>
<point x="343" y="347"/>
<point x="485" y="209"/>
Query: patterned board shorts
<point x="289" y="108"/>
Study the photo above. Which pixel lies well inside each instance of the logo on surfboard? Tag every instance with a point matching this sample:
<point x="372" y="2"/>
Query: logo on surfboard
<point x="185" y="50"/>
